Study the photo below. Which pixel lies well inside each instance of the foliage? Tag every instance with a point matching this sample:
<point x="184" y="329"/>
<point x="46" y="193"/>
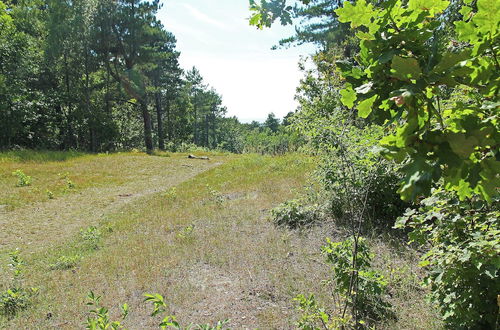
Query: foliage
<point x="353" y="175"/>
<point x="400" y="78"/>
<point x="50" y="194"/>
<point x="170" y="321"/>
<point x="355" y="286"/>
<point x="264" y="141"/>
<point x="91" y="236"/>
<point x="314" y="317"/>
<point x="295" y="214"/>
<point x="215" y="195"/>
<point x="99" y="316"/>
<point x="362" y="287"/>
<point x="16" y="298"/>
<point x="86" y="75"/>
<point x="464" y="258"/>
<point x="22" y="179"/>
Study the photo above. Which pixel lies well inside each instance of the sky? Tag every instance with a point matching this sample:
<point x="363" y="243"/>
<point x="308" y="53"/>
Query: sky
<point x="235" y="58"/>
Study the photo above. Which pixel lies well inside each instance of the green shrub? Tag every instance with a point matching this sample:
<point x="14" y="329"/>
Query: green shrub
<point x="17" y="297"/>
<point x="99" y="316"/>
<point x="295" y="214"/>
<point x="362" y="287"/>
<point x="50" y="194"/>
<point x="22" y="179"/>
<point x="91" y="236"/>
<point x="170" y="321"/>
<point x="464" y="258"/>
<point x="215" y="195"/>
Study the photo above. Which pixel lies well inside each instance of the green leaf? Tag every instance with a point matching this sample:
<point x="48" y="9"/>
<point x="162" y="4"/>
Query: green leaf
<point x="359" y="14"/>
<point x="461" y="144"/>
<point x="348" y="97"/>
<point x="365" y="107"/>
<point x="487" y="17"/>
<point x="432" y="6"/>
<point x="451" y="59"/>
<point x="405" y="68"/>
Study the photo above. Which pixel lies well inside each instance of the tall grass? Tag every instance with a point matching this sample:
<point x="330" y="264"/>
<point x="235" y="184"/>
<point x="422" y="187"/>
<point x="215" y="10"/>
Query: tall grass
<point x="38" y="156"/>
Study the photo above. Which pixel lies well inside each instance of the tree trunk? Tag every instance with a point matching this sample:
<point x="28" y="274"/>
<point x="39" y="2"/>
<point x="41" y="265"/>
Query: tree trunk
<point x="148" y="132"/>
<point x="161" y="138"/>
<point x="195" y="124"/>
<point x="169" y="120"/>
<point x="206" y="131"/>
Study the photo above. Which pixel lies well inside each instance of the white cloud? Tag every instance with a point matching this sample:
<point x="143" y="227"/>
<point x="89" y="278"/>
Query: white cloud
<point x="203" y="17"/>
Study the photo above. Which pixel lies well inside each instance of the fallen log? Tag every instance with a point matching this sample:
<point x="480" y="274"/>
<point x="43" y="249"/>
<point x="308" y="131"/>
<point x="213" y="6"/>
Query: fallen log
<point x="198" y="157"/>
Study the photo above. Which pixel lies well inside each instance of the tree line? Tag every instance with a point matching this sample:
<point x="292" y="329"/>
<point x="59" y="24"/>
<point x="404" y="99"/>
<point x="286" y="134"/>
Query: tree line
<point x="101" y="75"/>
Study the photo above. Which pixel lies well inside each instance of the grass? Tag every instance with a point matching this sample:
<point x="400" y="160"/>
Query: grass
<point x="208" y="245"/>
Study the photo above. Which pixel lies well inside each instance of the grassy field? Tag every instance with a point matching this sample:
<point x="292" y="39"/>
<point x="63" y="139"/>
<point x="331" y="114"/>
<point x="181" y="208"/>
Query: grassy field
<point x="198" y="232"/>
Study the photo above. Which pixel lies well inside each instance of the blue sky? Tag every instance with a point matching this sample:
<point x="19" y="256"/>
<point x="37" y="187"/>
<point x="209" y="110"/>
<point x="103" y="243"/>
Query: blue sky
<point x="235" y="58"/>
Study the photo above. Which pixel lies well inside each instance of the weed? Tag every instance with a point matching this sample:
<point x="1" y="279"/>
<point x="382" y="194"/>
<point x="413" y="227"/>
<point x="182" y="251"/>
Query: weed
<point x="22" y="179"/>
<point x="355" y="281"/>
<point x="185" y="232"/>
<point x="50" y="194"/>
<point x="92" y="236"/>
<point x="99" y="315"/>
<point x="171" y="193"/>
<point x="159" y="307"/>
<point x="70" y="184"/>
<point x="294" y="214"/>
<point x="65" y="262"/>
<point x="17" y="297"/>
<point x="215" y="195"/>
<point x="312" y="315"/>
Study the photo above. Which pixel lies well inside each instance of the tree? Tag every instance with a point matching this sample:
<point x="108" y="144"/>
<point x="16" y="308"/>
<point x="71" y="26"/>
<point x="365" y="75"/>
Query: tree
<point x="272" y="122"/>
<point x="131" y="50"/>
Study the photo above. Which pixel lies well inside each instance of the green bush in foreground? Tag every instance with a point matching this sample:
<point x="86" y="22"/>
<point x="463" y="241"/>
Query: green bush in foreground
<point x="22" y="179"/>
<point x="358" y="290"/>
<point x="464" y="258"/>
<point x="99" y="318"/>
<point x="16" y="298"/>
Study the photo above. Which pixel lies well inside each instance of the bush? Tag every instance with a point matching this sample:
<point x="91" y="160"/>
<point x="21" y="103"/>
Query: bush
<point x="17" y="297"/>
<point x="464" y="257"/>
<point x="91" y="236"/>
<point x="375" y="183"/>
<point x="294" y="214"/>
<point x="361" y="286"/>
<point x="22" y="179"/>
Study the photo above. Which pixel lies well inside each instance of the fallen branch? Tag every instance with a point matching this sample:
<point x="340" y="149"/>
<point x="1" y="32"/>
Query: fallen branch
<point x="196" y="157"/>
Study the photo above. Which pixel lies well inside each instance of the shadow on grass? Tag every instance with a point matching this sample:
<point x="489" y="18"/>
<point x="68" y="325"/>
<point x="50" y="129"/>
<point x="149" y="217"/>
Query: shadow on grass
<point x="38" y="156"/>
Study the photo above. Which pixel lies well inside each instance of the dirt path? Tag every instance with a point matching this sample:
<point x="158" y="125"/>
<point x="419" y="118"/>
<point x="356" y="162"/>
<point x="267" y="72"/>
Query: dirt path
<point x="42" y="223"/>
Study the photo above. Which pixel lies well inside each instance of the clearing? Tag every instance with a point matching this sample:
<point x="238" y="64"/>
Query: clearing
<point x="198" y="232"/>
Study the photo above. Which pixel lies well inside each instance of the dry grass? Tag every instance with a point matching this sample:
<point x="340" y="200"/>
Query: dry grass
<point x="209" y="246"/>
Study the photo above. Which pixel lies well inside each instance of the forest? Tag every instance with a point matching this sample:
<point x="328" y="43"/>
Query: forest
<point x="372" y="205"/>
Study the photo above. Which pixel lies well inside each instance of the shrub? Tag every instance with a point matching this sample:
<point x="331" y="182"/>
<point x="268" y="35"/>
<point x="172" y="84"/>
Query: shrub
<point x="99" y="315"/>
<point x="215" y="195"/>
<point x="22" y="179"/>
<point x="92" y="236"/>
<point x="17" y="297"/>
<point x="294" y="214"/>
<point x="356" y="178"/>
<point x="361" y="286"/>
<point x="464" y="257"/>
<point x="159" y="307"/>
<point x="50" y="194"/>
